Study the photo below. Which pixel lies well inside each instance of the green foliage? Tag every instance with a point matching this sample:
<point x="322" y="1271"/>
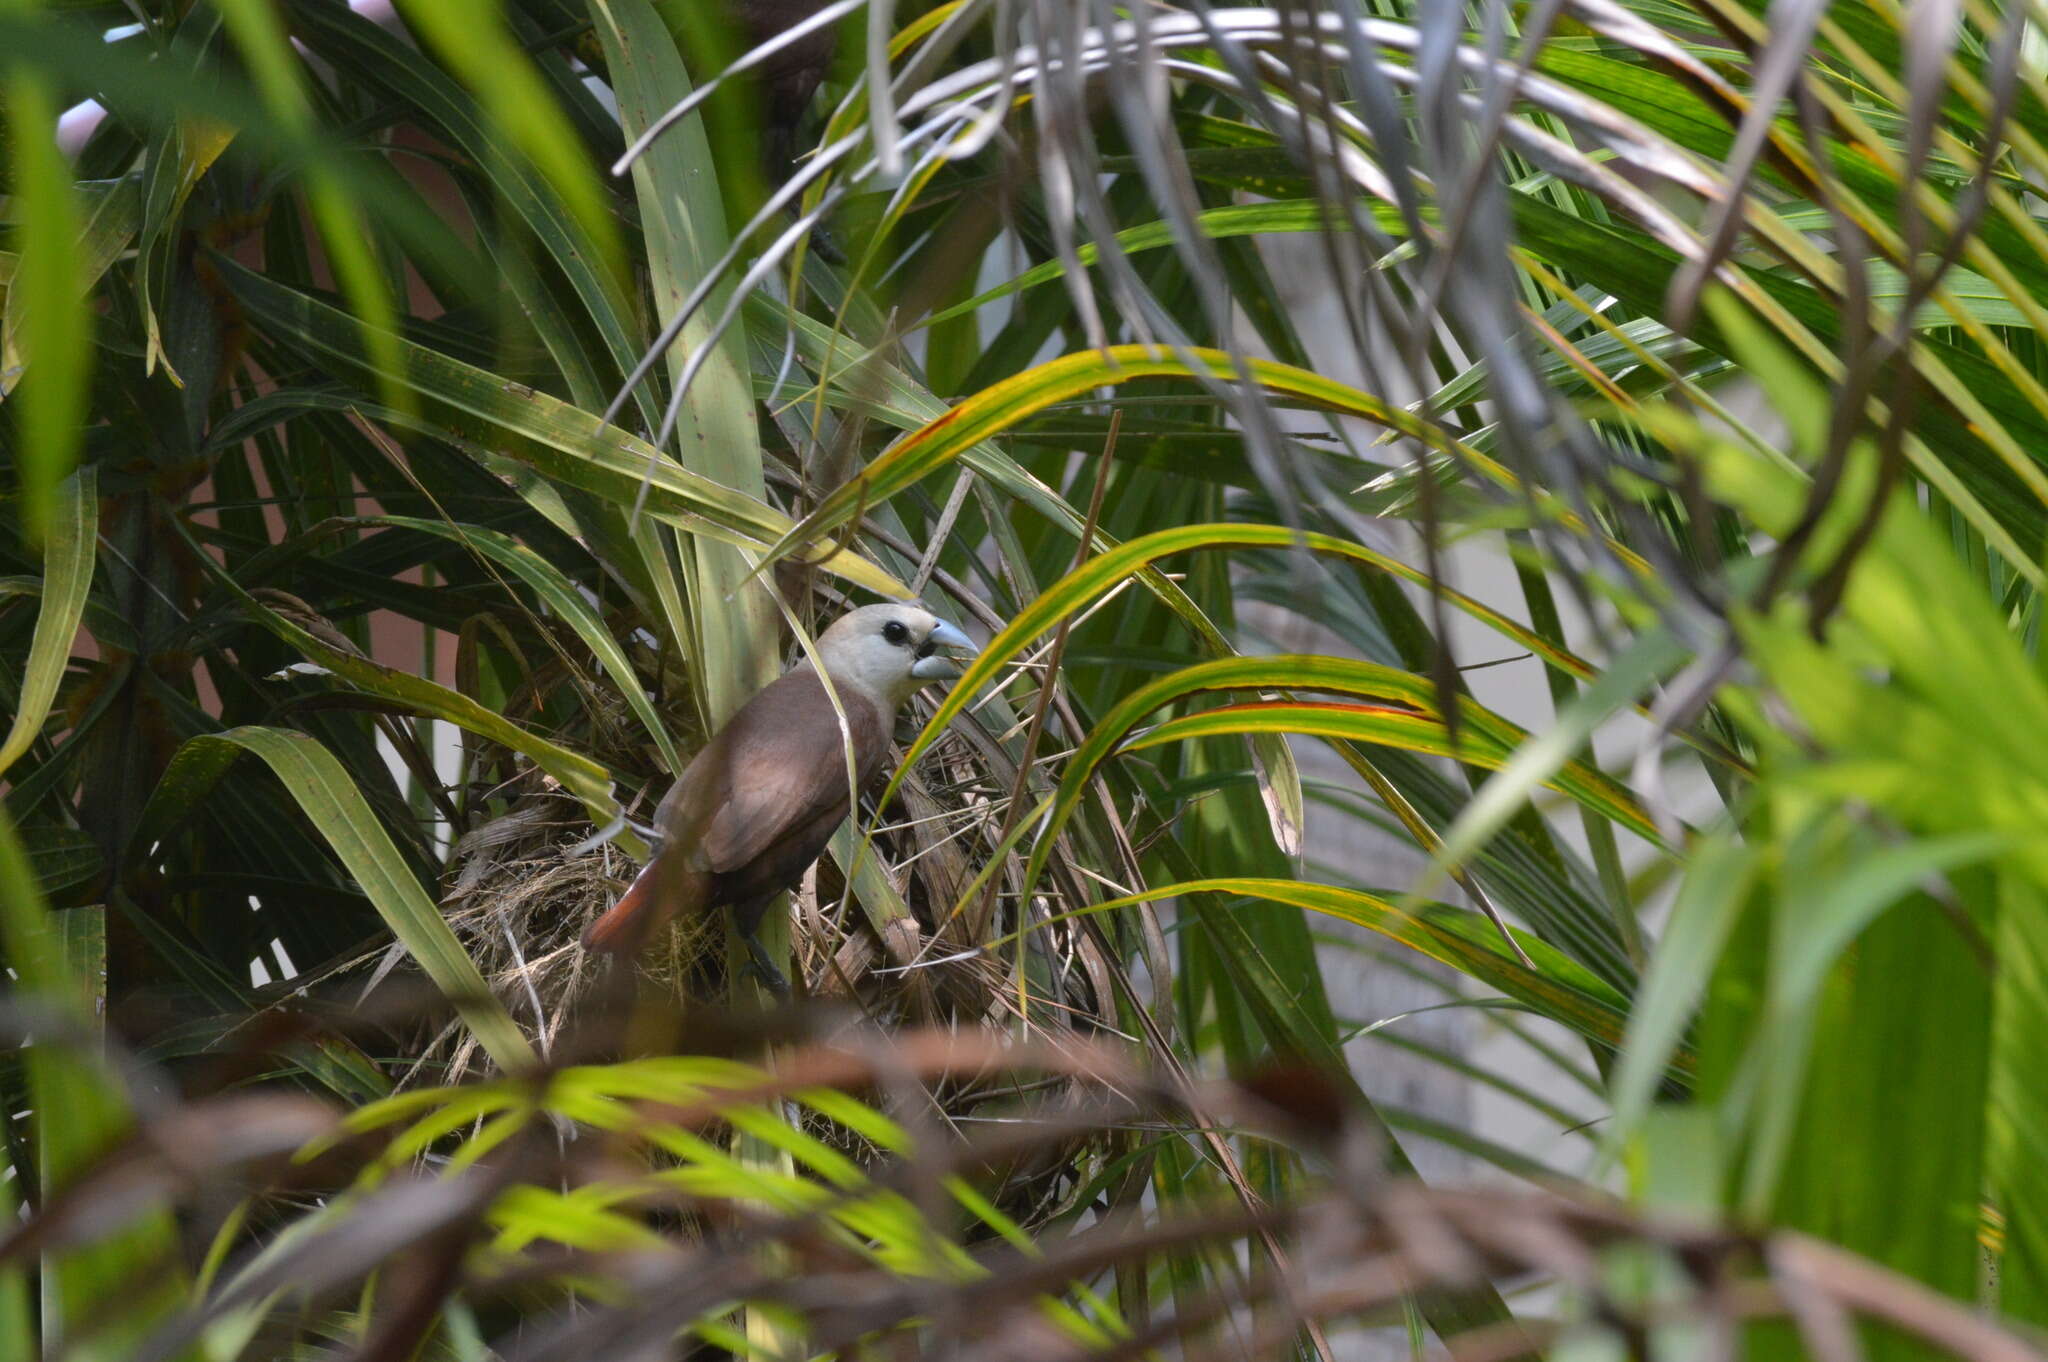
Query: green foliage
<point x="390" y="400"/>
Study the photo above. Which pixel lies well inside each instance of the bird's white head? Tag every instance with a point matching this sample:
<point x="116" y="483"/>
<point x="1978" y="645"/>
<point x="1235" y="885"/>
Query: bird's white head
<point x="888" y="651"/>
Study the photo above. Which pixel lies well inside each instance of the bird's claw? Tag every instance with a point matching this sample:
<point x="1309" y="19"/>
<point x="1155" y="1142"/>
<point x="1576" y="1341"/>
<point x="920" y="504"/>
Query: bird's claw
<point x="765" y="970"/>
<point x="826" y="245"/>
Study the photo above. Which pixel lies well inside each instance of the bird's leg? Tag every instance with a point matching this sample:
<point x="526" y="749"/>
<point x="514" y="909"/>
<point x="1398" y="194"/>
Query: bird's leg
<point x="781" y="161"/>
<point x="827" y="245"/>
<point x="765" y="970"/>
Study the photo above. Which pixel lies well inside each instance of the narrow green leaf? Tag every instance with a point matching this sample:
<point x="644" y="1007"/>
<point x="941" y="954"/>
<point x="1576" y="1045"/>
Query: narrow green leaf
<point x="473" y="407"/>
<point x="56" y="325"/>
<point x="683" y="216"/>
<point x="180" y="158"/>
<point x="1711" y="898"/>
<point x="1008" y="403"/>
<point x="1089" y="581"/>
<point x="330" y="799"/>
<point x="578" y="774"/>
<point x="1273" y="1002"/>
<point x="1557" y="988"/>
<point x="471" y="38"/>
<point x="890" y="394"/>
<point x="562" y="597"/>
<point x="80" y="1113"/>
<point x="61" y="857"/>
<point x="259" y="33"/>
<point x="70" y="550"/>
<point x="1822" y="918"/>
<point x="1833" y="886"/>
<point x="1539" y="760"/>
<point x="1417" y="727"/>
<point x="111" y="211"/>
<point x="1398" y="728"/>
<point x="1274" y="217"/>
<point x="17" y="1315"/>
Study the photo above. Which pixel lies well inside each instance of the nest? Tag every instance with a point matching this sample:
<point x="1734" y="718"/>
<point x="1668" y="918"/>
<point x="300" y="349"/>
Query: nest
<point x="524" y="886"/>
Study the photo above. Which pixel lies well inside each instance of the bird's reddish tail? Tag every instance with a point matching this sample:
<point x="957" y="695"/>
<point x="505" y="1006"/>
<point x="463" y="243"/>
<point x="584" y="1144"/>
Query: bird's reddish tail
<point x="625" y="925"/>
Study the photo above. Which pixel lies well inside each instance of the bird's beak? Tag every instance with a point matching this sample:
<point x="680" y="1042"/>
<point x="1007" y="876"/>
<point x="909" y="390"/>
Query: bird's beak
<point x="936" y="668"/>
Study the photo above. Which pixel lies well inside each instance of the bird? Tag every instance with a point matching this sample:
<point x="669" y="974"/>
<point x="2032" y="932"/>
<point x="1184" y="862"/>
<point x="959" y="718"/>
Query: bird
<point x="790" y="76"/>
<point x="757" y="804"/>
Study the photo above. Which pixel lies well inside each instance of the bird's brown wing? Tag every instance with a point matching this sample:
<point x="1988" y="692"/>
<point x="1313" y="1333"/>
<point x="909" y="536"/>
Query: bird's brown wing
<point x="774" y="773"/>
<point x="751" y="811"/>
<point x="661" y="891"/>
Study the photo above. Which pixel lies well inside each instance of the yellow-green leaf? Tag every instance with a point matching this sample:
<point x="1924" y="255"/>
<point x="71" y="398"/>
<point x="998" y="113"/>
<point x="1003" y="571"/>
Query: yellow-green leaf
<point x="69" y="552"/>
<point x="330" y="799"/>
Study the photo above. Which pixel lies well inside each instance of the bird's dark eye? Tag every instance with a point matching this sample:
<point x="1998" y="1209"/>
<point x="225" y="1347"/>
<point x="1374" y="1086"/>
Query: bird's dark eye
<point x="895" y="632"/>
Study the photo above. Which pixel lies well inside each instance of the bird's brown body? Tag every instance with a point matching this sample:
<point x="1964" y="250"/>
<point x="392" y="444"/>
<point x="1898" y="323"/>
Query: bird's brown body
<point x="756" y="806"/>
<point x="788" y="77"/>
<point x="791" y="75"/>
<point x="752" y="810"/>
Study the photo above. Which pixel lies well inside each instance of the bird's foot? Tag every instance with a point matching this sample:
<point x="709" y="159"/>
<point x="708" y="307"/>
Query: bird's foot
<point x="827" y="245"/>
<point x="764" y="969"/>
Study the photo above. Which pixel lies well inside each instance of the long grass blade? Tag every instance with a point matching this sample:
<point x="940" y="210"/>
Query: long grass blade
<point x="70" y="549"/>
<point x="330" y="800"/>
